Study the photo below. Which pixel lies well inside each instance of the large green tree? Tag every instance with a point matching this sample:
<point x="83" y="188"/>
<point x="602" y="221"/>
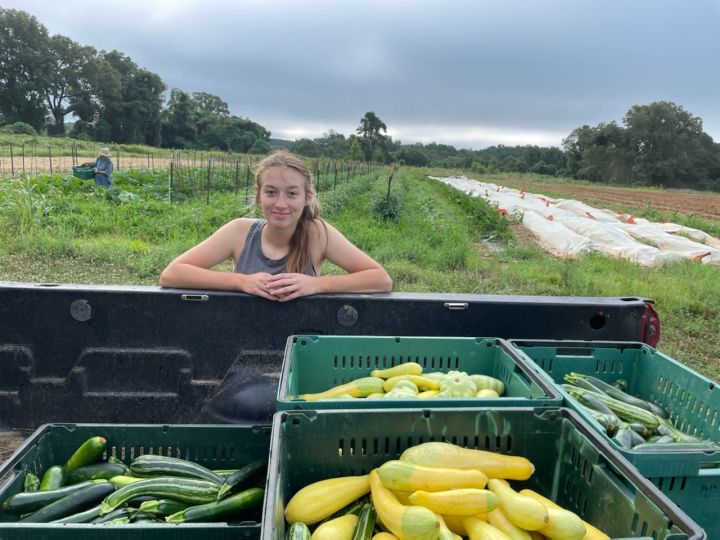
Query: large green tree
<point x="24" y="46"/>
<point x="669" y="145"/>
<point x="373" y="134"/>
<point x="178" y="123"/>
<point x="600" y="154"/>
<point x="99" y="87"/>
<point x="135" y="116"/>
<point x="64" y="83"/>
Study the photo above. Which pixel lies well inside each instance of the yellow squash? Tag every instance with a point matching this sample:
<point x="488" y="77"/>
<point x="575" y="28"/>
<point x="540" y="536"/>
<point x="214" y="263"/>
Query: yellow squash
<point x="422" y="383"/>
<point x="407" y="368"/>
<point x="317" y="501"/>
<point x="455" y="524"/>
<point x="341" y="528"/>
<point x="497" y="519"/>
<point x="457" y="502"/>
<point x="521" y="510"/>
<point x="478" y="529"/>
<point x="445" y="532"/>
<point x="401" y="475"/>
<point x="405" y="522"/>
<point x="494" y="465"/>
<point x="591" y="532"/>
<point x="357" y="388"/>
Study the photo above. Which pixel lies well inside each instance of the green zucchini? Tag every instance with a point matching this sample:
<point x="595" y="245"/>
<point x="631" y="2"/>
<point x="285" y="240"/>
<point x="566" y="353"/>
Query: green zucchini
<point x="616" y="393"/>
<point x="366" y="524"/>
<point x="188" y="490"/>
<point x="86" y="516"/>
<point x="72" y="504"/>
<point x="670" y="446"/>
<point x="627" y="412"/>
<point x="142" y="517"/>
<point x="240" y="478"/>
<point x="123" y="480"/>
<point x="152" y="465"/>
<point x="32" y="483"/>
<point x="224" y="472"/>
<point x="53" y="478"/>
<point x="235" y="504"/>
<point x="298" y="531"/>
<point x="163" y="507"/>
<point x="88" y="452"/>
<point x="98" y="471"/>
<point x="115" y="514"/>
<point x="23" y="503"/>
<point x="135" y="502"/>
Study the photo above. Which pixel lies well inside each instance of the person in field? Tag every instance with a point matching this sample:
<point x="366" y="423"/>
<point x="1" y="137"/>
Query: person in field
<point x="279" y="257"/>
<point x="103" y="168"/>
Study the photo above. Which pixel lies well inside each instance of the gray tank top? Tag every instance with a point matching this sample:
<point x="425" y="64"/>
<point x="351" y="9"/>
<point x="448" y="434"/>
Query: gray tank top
<point x="252" y="260"/>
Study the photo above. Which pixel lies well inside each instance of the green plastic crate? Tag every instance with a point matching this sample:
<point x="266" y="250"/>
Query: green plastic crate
<point x="573" y="465"/>
<point x="315" y="363"/>
<point x="85" y="172"/>
<point x="214" y="446"/>
<point x="691" y="478"/>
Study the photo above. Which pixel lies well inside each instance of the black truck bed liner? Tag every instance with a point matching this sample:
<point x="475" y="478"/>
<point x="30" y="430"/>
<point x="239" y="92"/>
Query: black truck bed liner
<point x="78" y="353"/>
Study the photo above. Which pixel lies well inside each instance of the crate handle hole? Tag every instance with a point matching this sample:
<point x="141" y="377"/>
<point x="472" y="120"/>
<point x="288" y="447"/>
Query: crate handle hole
<point x="597" y="321"/>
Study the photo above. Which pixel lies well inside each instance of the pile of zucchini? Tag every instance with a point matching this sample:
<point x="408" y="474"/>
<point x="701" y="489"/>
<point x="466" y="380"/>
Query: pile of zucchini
<point x="630" y="421"/>
<point x="152" y="489"/>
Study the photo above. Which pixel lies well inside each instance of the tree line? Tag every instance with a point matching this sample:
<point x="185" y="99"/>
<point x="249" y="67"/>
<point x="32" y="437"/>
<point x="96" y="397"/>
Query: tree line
<point x="44" y="78"/>
<point x="660" y="144"/>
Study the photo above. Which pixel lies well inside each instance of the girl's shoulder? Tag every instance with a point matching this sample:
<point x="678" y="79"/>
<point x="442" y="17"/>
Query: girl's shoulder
<point x="242" y="223"/>
<point x="320" y="229"/>
<point x="239" y="228"/>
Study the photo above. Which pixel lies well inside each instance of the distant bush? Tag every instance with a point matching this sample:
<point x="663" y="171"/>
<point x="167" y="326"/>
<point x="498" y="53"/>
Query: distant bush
<point x="387" y="207"/>
<point x="18" y="128"/>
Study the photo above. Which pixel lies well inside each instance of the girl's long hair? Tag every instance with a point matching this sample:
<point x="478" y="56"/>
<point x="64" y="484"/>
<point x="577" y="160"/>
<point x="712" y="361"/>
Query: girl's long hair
<point x="299" y="254"/>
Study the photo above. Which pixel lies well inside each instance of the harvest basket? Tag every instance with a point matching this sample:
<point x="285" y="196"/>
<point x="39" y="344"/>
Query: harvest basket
<point x="573" y="465"/>
<point x="691" y="478"/>
<point x="86" y="172"/>
<point x="316" y="363"/>
<point x="214" y="446"/>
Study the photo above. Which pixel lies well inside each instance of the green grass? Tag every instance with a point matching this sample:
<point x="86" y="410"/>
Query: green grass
<point x="57" y="229"/>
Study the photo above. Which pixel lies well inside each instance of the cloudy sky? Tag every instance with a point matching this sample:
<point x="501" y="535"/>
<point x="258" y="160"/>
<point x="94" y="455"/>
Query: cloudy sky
<point x="470" y="73"/>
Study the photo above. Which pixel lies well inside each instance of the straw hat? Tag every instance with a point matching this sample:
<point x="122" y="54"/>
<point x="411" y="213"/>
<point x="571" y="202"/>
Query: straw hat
<point x="105" y="152"/>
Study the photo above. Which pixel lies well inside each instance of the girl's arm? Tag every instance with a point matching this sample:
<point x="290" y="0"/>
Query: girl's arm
<point x="192" y="269"/>
<point x="364" y="274"/>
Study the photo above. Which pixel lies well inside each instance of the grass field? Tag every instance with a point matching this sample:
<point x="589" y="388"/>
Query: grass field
<point x="59" y="229"/>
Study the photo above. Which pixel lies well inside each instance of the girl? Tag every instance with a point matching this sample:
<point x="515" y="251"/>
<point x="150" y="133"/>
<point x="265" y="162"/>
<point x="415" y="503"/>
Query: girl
<point x="279" y="257"/>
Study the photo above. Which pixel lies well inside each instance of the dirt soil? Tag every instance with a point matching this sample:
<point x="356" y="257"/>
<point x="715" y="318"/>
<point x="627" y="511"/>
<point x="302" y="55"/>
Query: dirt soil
<point x="9" y="441"/>
<point x="705" y="205"/>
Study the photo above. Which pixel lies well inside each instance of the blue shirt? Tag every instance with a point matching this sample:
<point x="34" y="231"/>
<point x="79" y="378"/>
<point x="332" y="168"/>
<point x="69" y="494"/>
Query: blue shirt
<point x="105" y="167"/>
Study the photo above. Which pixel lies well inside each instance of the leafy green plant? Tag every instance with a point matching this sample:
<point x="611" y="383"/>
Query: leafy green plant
<point x="387" y="207"/>
<point x="21" y="205"/>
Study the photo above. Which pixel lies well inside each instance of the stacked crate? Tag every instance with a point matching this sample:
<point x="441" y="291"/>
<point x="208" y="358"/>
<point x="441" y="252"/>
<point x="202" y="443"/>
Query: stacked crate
<point x="689" y="476"/>
<point x="340" y="437"/>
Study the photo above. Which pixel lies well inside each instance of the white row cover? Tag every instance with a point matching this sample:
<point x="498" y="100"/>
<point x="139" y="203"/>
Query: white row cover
<point x="569" y="228"/>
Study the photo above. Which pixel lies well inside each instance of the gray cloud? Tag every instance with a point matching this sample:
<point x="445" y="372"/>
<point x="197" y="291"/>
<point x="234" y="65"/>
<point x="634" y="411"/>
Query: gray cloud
<point x="469" y="73"/>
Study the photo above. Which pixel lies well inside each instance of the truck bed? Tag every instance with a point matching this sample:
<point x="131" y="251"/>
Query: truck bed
<point x="111" y="354"/>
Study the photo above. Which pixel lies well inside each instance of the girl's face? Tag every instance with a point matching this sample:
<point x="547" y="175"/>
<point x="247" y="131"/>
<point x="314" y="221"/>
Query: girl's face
<point x="282" y="196"/>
